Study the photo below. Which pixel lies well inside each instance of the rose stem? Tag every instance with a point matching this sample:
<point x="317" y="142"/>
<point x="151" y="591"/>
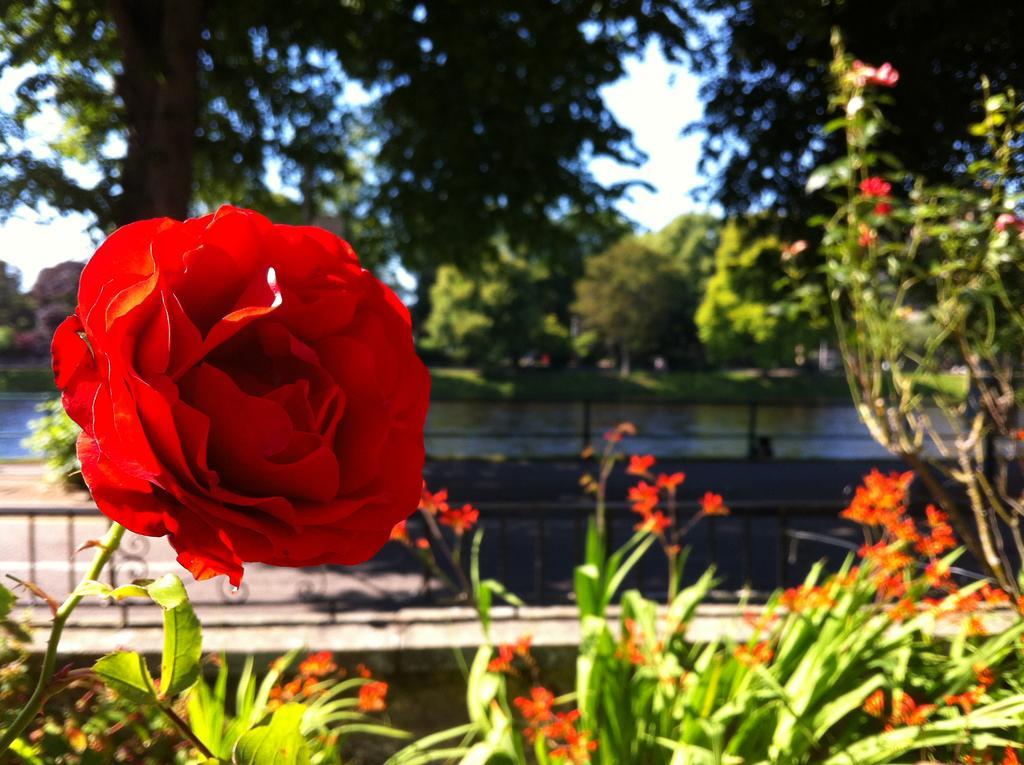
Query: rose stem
<point x="104" y="550"/>
<point x="186" y="731"/>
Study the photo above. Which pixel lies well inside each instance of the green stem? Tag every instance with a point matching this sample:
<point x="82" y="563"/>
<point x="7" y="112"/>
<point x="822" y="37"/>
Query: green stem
<point x="106" y="548"/>
<point x="186" y="731"/>
<point x="673" y="576"/>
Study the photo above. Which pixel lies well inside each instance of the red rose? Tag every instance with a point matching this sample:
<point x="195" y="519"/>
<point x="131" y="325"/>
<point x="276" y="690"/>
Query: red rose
<point x="246" y="389"/>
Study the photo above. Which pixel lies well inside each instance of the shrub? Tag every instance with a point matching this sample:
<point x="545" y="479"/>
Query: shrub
<point x="54" y="436"/>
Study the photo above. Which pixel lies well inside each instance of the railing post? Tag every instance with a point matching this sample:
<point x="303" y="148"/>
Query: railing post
<point x="587" y="423"/>
<point x="752" y="447"/>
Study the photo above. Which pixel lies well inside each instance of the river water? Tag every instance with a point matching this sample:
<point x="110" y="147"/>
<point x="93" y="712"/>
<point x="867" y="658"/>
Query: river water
<point x="534" y="429"/>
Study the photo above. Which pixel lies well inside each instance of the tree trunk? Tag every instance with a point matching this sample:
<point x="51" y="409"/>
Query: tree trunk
<point x="425" y="279"/>
<point x="624" y="365"/>
<point x="159" y="86"/>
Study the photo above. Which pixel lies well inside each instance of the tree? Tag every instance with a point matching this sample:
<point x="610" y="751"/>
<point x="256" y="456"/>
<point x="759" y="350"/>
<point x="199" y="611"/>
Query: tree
<point x="479" y="120"/>
<point x="690" y="241"/>
<point x="495" y="315"/>
<point x="626" y="295"/>
<point x="767" y="86"/>
<point x="15" y="307"/>
<point x="55" y="294"/>
<point x="747" y="315"/>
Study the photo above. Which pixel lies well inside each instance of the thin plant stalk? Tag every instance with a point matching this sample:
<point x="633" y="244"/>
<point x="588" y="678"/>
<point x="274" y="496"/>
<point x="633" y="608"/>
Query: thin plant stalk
<point x="104" y="550"/>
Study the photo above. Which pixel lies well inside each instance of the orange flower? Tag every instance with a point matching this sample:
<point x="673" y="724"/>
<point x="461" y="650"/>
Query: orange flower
<point x="1010" y="756"/>
<point x="670" y="482"/>
<point x="887" y="558"/>
<point x="867" y="236"/>
<point x="423" y="543"/>
<point x="875" y="704"/>
<point x="461" y="519"/>
<point x="318" y="664"/>
<point x="537" y="708"/>
<point x="803" y="598"/>
<point x="644" y="497"/>
<point x="630" y="649"/>
<point x="712" y="504"/>
<point x="986" y="677"/>
<point x="936" y="574"/>
<point x="522" y="645"/>
<point x="880" y="500"/>
<point x="576" y="749"/>
<point x="373" y="696"/>
<point x="640" y="464"/>
<point x="994" y="596"/>
<point x="572" y="745"/>
<point x="654" y="523"/>
<point x="908" y="712"/>
<point x="363" y="671"/>
<point x="974" y="626"/>
<point x="434" y="503"/>
<point x="503" y="661"/>
<point x="400" y="533"/>
<point x="762" y="653"/>
<point x="903" y="610"/>
<point x="966" y="700"/>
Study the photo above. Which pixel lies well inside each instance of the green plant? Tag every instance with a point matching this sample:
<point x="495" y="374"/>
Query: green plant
<point x="327" y="707"/>
<point x="922" y="279"/>
<point x="54" y="437"/>
<point x="847" y="668"/>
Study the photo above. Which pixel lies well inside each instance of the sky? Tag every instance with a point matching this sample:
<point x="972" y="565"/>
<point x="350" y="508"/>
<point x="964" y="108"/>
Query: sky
<point x="655" y="100"/>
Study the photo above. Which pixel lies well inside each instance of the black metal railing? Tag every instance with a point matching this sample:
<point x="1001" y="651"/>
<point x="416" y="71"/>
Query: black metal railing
<point x="532" y="548"/>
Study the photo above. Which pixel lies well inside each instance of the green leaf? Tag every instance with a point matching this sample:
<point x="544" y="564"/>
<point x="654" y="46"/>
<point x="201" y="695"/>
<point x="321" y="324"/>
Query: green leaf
<point x="167" y="592"/>
<point x="183" y="646"/>
<point x="126" y="673"/>
<point x="7" y="599"/>
<point x="279" y="743"/>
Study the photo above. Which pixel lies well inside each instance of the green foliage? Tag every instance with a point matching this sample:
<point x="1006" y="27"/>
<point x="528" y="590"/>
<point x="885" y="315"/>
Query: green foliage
<point x="54" y="437"/>
<point x="627" y="294"/>
<point x="323" y="708"/>
<point x="26" y="380"/>
<point x="767" y="85"/>
<point x="690" y="241"/>
<point x="576" y="384"/>
<point x="843" y="668"/>
<point x="746" y="316"/>
<point x="16" y="309"/>
<point x="126" y="672"/>
<point x="279" y="742"/>
<point x="476" y="118"/>
<point x="494" y="315"/>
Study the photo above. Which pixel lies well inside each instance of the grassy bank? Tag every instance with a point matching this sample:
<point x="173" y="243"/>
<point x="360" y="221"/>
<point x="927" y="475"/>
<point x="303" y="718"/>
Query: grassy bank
<point x="575" y="384"/>
<point x="33" y="379"/>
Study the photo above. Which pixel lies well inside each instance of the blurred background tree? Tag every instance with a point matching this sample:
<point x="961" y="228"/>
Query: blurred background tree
<point x="494" y="315"/>
<point x="626" y="295"/>
<point x="424" y="128"/>
<point x="748" y="315"/>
